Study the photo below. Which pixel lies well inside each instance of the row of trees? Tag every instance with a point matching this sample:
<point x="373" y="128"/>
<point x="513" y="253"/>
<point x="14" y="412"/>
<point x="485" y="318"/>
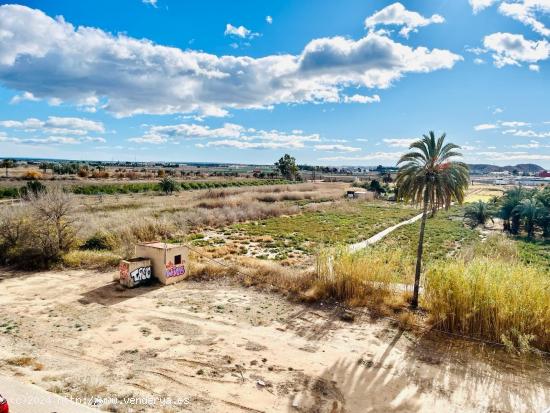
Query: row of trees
<point x="521" y="209"/>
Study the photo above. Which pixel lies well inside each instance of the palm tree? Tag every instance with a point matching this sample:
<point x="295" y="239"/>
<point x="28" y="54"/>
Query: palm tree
<point x="429" y="177"/>
<point x="509" y="211"/>
<point x="168" y="185"/>
<point x="478" y="213"/>
<point x="530" y="211"/>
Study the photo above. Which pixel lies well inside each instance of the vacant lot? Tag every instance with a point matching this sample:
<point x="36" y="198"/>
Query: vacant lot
<point x="227" y="348"/>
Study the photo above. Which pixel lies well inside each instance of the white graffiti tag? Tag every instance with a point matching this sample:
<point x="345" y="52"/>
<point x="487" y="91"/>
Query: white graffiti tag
<point x="141" y="274"/>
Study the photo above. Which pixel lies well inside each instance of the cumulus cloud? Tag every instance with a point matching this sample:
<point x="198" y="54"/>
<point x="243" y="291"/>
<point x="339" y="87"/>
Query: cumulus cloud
<point x="22" y="97"/>
<point x="399" y="143"/>
<point x="50" y="140"/>
<point x="478" y="5"/>
<point x="526" y="12"/>
<point x="397" y="15"/>
<point x="513" y="49"/>
<point x="534" y="68"/>
<point x="150" y="2"/>
<point x="337" y="148"/>
<point x="52" y="59"/>
<point x="65" y="125"/>
<point x="228" y="135"/>
<point x="269" y="19"/>
<point x="485" y="126"/>
<point x="240" y="31"/>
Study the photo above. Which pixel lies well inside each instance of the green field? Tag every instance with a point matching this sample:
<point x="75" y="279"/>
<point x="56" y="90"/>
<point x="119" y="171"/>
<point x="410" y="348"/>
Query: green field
<point x="137" y="187"/>
<point x="444" y="234"/>
<point x="346" y="223"/>
<point x="535" y="252"/>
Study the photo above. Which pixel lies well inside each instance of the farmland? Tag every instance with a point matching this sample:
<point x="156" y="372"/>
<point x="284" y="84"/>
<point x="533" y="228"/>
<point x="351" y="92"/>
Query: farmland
<point x="290" y="332"/>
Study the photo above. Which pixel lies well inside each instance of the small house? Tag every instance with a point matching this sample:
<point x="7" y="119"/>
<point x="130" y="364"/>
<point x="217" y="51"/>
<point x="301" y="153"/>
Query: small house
<point x="360" y="194"/>
<point x="135" y="271"/>
<point x="169" y="262"/>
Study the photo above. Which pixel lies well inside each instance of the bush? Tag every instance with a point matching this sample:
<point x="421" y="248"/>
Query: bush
<point x="38" y="232"/>
<point x="32" y="187"/>
<point x="100" y="241"/>
<point x="32" y="175"/>
<point x="91" y="259"/>
<point x="168" y="185"/>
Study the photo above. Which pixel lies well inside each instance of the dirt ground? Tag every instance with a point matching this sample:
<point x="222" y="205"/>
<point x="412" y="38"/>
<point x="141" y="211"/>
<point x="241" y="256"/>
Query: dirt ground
<point x="214" y="347"/>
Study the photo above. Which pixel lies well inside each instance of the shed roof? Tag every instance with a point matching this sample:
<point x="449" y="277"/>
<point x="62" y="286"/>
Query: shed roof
<point x="161" y="245"/>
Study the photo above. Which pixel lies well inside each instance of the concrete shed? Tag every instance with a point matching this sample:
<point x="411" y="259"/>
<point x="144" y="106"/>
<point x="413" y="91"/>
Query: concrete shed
<point x="169" y="262"/>
<point x="135" y="271"/>
<point x="360" y="194"/>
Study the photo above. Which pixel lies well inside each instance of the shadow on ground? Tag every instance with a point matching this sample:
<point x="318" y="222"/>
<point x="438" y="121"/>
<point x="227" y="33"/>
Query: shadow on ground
<point x="114" y="293"/>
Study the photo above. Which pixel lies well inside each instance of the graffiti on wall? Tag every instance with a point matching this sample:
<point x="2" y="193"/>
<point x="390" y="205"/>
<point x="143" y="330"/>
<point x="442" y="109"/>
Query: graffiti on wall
<point x="123" y="270"/>
<point x="141" y="274"/>
<point x="174" y="270"/>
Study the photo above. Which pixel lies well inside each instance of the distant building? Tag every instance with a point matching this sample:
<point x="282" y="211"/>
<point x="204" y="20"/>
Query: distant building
<point x="544" y="174"/>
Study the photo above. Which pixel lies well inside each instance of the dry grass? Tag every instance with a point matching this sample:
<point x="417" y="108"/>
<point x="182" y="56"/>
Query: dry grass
<point x="25" y="361"/>
<point x="91" y="259"/>
<point x="375" y="277"/>
<point x="491" y="295"/>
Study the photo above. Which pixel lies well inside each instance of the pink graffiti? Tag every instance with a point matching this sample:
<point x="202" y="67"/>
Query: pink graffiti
<point x="174" y="271"/>
<point x="123" y="269"/>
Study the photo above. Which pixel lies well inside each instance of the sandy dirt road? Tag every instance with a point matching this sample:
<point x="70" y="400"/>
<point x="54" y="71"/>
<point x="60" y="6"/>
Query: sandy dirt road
<point x="28" y="398"/>
<point x="211" y="347"/>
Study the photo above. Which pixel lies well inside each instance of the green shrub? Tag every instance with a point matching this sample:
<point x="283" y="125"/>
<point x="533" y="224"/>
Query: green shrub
<point x="91" y="259"/>
<point x="100" y="241"/>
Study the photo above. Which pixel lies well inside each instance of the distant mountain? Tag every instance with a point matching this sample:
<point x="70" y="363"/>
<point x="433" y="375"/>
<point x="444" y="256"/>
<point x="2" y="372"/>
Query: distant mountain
<point x="481" y="169"/>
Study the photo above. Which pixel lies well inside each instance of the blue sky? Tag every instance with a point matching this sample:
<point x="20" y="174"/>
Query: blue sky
<point x="332" y="83"/>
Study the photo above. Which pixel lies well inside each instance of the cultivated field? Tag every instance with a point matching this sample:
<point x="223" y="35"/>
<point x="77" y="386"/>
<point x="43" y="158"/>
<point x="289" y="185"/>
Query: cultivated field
<point x="278" y="314"/>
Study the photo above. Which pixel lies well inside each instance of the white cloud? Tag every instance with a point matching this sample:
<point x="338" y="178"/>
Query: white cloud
<point x="531" y="145"/>
<point x="513" y="49"/>
<point x="22" y="97"/>
<point x="150" y="2"/>
<point x="399" y="143"/>
<point x="269" y="19"/>
<point x="362" y="99"/>
<point x="337" y="148"/>
<point x="526" y="133"/>
<point x="240" y="31"/>
<point x="52" y="59"/>
<point x="50" y="140"/>
<point x="512" y="156"/>
<point x="485" y="126"/>
<point x="534" y="68"/>
<point x="525" y="11"/>
<point x="254" y="145"/>
<point x="514" y="124"/>
<point x="397" y="15"/>
<point x="497" y="110"/>
<point x="479" y="61"/>
<point x="228" y="135"/>
<point x="380" y="156"/>
<point x="55" y="124"/>
<point x="478" y="5"/>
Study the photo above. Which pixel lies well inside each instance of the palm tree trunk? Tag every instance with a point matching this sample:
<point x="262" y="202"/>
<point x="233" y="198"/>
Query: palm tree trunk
<point x="420" y="250"/>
